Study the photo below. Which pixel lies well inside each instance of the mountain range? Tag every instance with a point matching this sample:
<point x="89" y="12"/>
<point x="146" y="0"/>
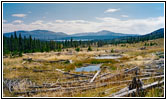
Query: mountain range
<point x="103" y="33"/>
<point x="39" y="34"/>
<point x="100" y="35"/>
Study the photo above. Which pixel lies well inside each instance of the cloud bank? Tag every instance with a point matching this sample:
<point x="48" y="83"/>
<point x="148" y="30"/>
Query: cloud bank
<point x="130" y="26"/>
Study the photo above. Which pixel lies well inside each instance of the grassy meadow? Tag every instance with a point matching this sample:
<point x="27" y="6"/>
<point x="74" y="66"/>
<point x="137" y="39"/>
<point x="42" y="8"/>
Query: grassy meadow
<point x="40" y="73"/>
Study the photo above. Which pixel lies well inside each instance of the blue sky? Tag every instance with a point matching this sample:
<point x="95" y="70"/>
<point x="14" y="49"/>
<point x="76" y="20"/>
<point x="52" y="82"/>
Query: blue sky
<point x="84" y="17"/>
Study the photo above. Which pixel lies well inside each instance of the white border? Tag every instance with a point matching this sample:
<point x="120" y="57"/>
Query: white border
<point x="85" y="1"/>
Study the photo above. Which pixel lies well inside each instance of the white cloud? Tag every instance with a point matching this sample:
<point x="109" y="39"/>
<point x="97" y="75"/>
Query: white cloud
<point x="4" y="21"/>
<point x="131" y="26"/>
<point x="111" y="10"/>
<point x="124" y="16"/>
<point x="19" y="15"/>
<point x="17" y="21"/>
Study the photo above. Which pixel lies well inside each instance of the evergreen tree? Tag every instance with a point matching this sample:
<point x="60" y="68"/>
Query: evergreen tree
<point x="71" y="41"/>
<point x="89" y="48"/>
<point x="20" y="45"/>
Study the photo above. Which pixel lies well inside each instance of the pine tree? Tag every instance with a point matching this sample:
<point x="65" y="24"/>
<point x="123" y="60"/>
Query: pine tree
<point x="15" y="42"/>
<point x="20" y="45"/>
<point x="11" y="43"/>
<point x="89" y="48"/>
<point x="30" y="44"/>
<point x="71" y="42"/>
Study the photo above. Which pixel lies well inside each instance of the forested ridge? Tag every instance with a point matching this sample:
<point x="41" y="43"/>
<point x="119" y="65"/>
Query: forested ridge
<point x="16" y="45"/>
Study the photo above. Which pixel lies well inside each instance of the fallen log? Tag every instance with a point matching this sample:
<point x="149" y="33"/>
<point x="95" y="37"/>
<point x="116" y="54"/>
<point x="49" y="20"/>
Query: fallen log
<point x="147" y="75"/>
<point x="37" y="70"/>
<point x="149" y="70"/>
<point x="27" y="59"/>
<point x="46" y="61"/>
<point x="152" y="73"/>
<point x="128" y="92"/>
<point x="23" y="62"/>
<point x="131" y="70"/>
<point x="91" y="86"/>
<point x="126" y="88"/>
<point x="95" y="76"/>
<point x="60" y="70"/>
<point x="78" y="75"/>
<point x="80" y="88"/>
<point x="71" y="82"/>
<point x="39" y="60"/>
<point x="37" y="91"/>
<point x="104" y="75"/>
<point x="160" y="76"/>
<point x="75" y="83"/>
<point x="117" y="75"/>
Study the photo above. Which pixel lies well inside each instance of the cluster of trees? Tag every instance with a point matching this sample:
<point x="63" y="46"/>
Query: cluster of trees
<point x="18" y="45"/>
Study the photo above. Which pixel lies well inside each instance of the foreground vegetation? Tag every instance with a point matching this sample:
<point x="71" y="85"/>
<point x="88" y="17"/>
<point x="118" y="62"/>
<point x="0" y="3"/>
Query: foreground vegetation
<point x="39" y="73"/>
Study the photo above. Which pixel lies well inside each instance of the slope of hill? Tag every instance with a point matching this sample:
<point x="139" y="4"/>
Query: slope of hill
<point x="155" y="34"/>
<point x="151" y="36"/>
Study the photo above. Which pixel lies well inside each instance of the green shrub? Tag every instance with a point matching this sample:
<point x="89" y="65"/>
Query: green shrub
<point x="78" y="64"/>
<point x="77" y="49"/>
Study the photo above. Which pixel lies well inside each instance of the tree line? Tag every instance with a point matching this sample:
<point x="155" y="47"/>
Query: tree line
<point x="16" y="45"/>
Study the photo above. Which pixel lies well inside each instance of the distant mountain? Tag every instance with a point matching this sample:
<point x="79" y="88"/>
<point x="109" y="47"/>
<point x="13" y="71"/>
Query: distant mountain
<point x="39" y="34"/>
<point x="49" y="35"/>
<point x="103" y="33"/>
<point x="100" y="35"/>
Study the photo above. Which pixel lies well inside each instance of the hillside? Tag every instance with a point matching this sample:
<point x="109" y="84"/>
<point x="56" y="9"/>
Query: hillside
<point x="129" y="39"/>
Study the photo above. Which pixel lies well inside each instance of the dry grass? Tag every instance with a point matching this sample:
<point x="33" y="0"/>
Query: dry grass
<point x="132" y="56"/>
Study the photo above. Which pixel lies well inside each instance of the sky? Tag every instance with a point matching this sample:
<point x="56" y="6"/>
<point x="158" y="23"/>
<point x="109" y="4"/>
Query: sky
<point x="70" y="18"/>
